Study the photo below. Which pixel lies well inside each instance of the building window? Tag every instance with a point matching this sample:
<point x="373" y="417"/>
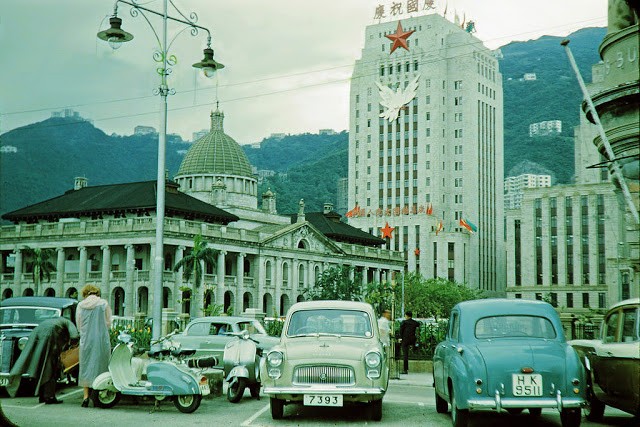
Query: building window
<point x="569" y="300"/>
<point x="457" y="85"/>
<point x="518" y="296"/>
<point x="457" y="100"/>
<point x="585" y="300"/>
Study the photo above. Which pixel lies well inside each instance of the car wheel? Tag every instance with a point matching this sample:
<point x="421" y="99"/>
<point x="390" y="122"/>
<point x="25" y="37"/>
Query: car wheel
<point x="254" y="389"/>
<point x="459" y="417"/>
<point x="236" y="390"/>
<point x="514" y="411"/>
<point x="105" y="398"/>
<point x="570" y="417"/>
<point x="595" y="408"/>
<point x="442" y="406"/>
<point x="187" y="403"/>
<point x="376" y="410"/>
<point x="535" y="412"/>
<point x="277" y="408"/>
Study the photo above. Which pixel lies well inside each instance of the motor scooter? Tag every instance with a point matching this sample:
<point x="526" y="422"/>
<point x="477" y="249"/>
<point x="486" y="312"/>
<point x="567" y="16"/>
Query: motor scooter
<point x="167" y="376"/>
<point x="242" y="366"/>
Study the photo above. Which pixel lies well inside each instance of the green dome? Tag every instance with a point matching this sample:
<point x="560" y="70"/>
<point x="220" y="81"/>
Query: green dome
<point x="216" y="153"/>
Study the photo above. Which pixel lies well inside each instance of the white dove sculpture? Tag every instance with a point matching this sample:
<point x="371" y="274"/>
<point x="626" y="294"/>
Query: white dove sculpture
<point x="393" y="101"/>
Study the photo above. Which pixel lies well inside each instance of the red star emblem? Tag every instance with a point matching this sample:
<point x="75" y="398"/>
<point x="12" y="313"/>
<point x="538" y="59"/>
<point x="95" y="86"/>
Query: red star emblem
<point x="387" y="231"/>
<point x="399" y="39"/>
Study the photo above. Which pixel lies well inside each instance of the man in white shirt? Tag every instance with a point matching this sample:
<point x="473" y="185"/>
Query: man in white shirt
<point x="384" y="325"/>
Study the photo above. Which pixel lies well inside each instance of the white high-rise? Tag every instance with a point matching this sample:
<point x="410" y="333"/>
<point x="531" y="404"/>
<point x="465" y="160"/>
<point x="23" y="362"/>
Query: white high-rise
<point x="426" y="134"/>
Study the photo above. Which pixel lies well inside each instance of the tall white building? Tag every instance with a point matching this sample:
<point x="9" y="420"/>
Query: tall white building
<point x="514" y="187"/>
<point x="426" y="136"/>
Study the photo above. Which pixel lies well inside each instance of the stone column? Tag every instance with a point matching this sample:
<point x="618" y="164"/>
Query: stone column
<point x="129" y="285"/>
<point x="378" y="278"/>
<point x="365" y="271"/>
<point x="82" y="275"/>
<point x="60" y="272"/>
<point x="259" y="279"/>
<point x="178" y="282"/>
<point x="17" y="271"/>
<point x="240" y="281"/>
<point x="278" y="284"/>
<point x="105" y="289"/>
<point x="220" y="278"/>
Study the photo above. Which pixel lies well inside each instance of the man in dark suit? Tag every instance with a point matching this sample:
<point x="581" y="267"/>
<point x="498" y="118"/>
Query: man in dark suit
<point x="408" y="329"/>
<point x="40" y="359"/>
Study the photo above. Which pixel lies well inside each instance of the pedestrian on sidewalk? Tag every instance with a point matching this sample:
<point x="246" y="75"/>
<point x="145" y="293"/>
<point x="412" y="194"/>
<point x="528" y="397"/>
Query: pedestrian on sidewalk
<point x="93" y="318"/>
<point x="408" y="338"/>
<point x="384" y="325"/>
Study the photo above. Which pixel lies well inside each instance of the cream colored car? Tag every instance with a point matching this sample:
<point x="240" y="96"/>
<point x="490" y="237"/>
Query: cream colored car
<point x="329" y="355"/>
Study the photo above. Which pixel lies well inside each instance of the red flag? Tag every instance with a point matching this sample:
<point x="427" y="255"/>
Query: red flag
<point x="430" y="209"/>
<point x="439" y="227"/>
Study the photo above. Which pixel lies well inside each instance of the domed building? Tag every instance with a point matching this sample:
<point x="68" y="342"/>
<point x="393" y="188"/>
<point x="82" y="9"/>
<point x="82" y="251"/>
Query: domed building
<point x="106" y="235"/>
<point x="217" y="159"/>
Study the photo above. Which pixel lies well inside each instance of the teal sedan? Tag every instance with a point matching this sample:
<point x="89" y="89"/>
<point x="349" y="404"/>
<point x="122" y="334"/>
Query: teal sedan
<point x="506" y="354"/>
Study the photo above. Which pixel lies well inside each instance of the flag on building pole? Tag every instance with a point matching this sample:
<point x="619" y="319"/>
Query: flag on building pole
<point x="430" y="209"/>
<point x="439" y="227"/>
<point x="353" y="212"/>
<point x="468" y="225"/>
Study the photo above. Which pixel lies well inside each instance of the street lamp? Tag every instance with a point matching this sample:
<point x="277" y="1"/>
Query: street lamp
<point x="115" y="36"/>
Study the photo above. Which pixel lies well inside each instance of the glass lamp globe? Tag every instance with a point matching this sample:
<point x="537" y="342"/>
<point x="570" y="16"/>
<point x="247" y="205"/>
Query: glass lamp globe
<point x="114" y="42"/>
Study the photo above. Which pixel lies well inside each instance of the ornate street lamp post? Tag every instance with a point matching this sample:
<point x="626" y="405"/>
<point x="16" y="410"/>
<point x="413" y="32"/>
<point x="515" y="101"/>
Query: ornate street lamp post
<point x="115" y="36"/>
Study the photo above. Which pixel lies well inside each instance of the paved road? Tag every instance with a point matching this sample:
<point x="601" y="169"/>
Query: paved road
<point x="409" y="402"/>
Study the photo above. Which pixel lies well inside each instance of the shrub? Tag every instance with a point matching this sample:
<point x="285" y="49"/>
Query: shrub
<point x="141" y="337"/>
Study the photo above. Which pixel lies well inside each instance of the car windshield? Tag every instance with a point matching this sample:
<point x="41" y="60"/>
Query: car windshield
<point x="353" y="323"/>
<point x="26" y="315"/>
<point x="514" y="326"/>
<point x="254" y="327"/>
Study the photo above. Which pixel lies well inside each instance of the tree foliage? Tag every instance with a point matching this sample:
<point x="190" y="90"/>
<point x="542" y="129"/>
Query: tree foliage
<point x="193" y="264"/>
<point x="42" y="266"/>
<point x="434" y="297"/>
<point x="335" y="283"/>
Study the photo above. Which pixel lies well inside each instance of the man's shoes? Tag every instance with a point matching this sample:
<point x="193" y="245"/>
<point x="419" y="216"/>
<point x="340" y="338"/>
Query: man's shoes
<point x="85" y="403"/>
<point x="52" y="401"/>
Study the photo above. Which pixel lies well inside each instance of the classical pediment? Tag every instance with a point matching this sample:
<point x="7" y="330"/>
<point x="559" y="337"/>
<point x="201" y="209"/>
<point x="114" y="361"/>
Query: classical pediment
<point x="301" y="235"/>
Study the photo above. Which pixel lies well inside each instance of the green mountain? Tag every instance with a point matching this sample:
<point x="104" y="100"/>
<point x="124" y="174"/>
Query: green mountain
<point x="52" y="152"/>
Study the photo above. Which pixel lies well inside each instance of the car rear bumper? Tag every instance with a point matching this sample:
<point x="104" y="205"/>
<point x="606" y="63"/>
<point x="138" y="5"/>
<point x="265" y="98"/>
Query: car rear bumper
<point x="498" y="402"/>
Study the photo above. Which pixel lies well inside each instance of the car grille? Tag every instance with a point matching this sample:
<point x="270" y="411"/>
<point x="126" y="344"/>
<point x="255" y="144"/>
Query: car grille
<point x="308" y="375"/>
<point x="6" y="355"/>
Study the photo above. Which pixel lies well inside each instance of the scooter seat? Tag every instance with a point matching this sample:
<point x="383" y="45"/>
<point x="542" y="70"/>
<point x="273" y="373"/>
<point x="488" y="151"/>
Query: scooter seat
<point x="182" y="352"/>
<point x="159" y="353"/>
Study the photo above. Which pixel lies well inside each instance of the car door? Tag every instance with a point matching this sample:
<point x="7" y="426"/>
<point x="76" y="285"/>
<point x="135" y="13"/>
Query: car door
<point x="617" y="359"/>
<point x="442" y="354"/>
<point x="218" y="337"/>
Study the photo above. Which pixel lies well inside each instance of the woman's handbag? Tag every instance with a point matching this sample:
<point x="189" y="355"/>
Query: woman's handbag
<point x="70" y="358"/>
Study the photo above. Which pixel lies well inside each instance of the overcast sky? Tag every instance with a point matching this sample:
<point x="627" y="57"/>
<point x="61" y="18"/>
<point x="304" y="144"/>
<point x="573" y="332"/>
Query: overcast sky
<point x="288" y="62"/>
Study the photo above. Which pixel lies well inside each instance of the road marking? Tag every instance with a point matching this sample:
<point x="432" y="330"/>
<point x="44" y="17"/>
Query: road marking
<point x="254" y="416"/>
<point x="39" y="404"/>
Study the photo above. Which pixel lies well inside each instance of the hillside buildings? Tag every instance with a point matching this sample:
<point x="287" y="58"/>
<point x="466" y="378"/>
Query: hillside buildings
<point x="514" y="187"/>
<point x="574" y="245"/>
<point x="426" y="149"/>
<point x="144" y="130"/>
<point x="546" y="128"/>
<point x="264" y="260"/>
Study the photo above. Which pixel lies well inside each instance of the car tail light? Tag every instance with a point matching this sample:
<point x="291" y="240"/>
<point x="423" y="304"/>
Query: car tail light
<point x="526" y="370"/>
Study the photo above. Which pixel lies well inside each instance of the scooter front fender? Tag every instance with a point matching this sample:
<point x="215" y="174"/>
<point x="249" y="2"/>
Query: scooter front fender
<point x="238" y="372"/>
<point x="104" y="382"/>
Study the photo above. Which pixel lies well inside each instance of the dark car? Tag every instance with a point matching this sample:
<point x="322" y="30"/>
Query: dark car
<point x="18" y="317"/>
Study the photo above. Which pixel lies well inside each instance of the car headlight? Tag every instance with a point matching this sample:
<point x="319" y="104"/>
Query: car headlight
<point x="373" y="361"/>
<point x="22" y="343"/>
<point x="275" y="358"/>
<point x="274" y="361"/>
